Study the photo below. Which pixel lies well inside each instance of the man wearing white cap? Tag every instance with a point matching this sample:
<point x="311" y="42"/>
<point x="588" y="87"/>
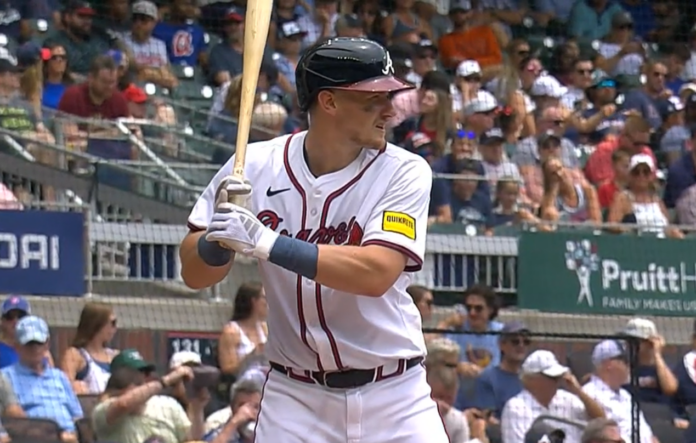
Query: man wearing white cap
<point x="656" y="382"/>
<point x="611" y="372"/>
<point x="542" y="376"/>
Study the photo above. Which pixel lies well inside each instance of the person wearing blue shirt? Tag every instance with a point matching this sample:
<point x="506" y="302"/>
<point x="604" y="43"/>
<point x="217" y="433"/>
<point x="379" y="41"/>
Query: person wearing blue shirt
<point x="289" y="45"/>
<point x="681" y="176"/>
<point x="591" y="19"/>
<point x="468" y="205"/>
<point x="643" y="100"/>
<point x="245" y="399"/>
<point x="186" y="41"/>
<point x="498" y="384"/>
<point x="42" y="391"/>
<point x="14" y="308"/>
<point x="643" y="16"/>
<point x="684" y="370"/>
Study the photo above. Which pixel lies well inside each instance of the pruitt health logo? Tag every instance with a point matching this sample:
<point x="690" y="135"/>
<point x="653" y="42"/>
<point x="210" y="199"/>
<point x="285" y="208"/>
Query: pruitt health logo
<point x="581" y="257"/>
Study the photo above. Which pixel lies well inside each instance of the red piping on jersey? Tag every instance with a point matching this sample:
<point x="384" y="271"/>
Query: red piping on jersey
<point x="194" y="228"/>
<point x="263" y="390"/>
<point x="300" y="308"/>
<point x="408" y="253"/>
<point x="322" y="223"/>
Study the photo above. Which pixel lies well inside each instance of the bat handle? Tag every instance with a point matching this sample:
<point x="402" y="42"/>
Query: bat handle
<point x="237" y="200"/>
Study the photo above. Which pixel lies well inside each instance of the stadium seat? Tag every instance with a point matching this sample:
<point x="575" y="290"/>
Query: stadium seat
<point x="192" y="90"/>
<point x="656" y="412"/>
<point x="37" y="430"/>
<point x="665" y="431"/>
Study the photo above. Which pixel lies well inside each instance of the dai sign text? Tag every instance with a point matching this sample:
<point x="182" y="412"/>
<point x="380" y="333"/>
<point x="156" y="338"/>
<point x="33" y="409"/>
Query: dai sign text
<point x="29" y="250"/>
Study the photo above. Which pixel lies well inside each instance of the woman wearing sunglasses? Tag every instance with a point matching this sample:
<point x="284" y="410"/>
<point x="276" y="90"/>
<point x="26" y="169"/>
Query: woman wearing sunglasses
<point x="56" y="75"/>
<point x="87" y="362"/>
<point x="639" y="204"/>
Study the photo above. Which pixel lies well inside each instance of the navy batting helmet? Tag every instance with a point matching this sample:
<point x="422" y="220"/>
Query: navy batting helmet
<point x="354" y="64"/>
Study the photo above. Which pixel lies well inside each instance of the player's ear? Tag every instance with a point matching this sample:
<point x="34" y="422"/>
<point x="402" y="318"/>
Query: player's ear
<point x="326" y="100"/>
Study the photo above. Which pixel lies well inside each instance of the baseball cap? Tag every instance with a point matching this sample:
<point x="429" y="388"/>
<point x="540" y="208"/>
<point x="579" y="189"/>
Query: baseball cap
<point x="543" y="362"/>
<point x="460" y="5"/>
<point x="146" y="8"/>
<point x="621" y="18"/>
<point x="514" y="327"/>
<point x="15" y="303"/>
<point x="134" y="94"/>
<point x="131" y="358"/>
<point x="435" y="81"/>
<point x="80" y="7"/>
<point x="674" y="139"/>
<point x="30" y="53"/>
<point x="669" y="106"/>
<point x="425" y="46"/>
<point x="494" y="135"/>
<point x="640" y="328"/>
<point x="641" y="159"/>
<point x="599" y="76"/>
<point x="234" y="15"/>
<point x="483" y="103"/>
<point x="467" y="165"/>
<point x="118" y="56"/>
<point x="607" y="350"/>
<point x="31" y="328"/>
<point x="290" y="29"/>
<point x="546" y="137"/>
<point x="184" y="357"/>
<point x="548" y="86"/>
<point x="419" y="143"/>
<point x="468" y="68"/>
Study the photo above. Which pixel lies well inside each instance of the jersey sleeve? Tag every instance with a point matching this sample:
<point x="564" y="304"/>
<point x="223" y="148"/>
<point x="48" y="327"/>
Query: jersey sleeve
<point x="400" y="219"/>
<point x="204" y="208"/>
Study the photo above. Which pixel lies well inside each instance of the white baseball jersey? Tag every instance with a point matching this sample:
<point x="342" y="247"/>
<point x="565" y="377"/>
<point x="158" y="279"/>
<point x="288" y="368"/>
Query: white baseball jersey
<point x="382" y="199"/>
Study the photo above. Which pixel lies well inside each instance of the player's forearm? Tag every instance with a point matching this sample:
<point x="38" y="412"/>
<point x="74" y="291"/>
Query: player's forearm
<point x="195" y="271"/>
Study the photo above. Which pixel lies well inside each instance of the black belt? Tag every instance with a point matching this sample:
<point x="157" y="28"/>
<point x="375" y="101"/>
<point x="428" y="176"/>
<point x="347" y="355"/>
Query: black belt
<point x="351" y="378"/>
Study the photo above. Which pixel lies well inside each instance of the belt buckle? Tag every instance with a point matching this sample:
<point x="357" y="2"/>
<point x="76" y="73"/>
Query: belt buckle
<point x="322" y="378"/>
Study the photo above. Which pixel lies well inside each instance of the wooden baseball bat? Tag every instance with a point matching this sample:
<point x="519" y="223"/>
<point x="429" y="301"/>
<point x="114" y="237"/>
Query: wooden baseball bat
<point x="256" y="24"/>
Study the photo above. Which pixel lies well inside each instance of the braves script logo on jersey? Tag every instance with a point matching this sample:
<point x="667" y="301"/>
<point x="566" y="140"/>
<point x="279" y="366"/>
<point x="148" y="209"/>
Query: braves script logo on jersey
<point x="346" y="233"/>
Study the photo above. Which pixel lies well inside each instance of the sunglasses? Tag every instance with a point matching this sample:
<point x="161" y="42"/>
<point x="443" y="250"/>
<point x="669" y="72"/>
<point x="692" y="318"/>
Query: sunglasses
<point x="59" y="57"/>
<point x="637" y="172"/>
<point x="624" y="27"/>
<point x="474" y="308"/>
<point x="472" y="79"/>
<point x="469" y="135"/>
<point x="14" y="315"/>
<point x="520" y="341"/>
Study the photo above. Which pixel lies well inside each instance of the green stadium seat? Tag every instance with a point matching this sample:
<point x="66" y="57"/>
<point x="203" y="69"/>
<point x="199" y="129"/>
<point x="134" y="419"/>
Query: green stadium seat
<point x="193" y="90"/>
<point x="588" y="47"/>
<point x="507" y="231"/>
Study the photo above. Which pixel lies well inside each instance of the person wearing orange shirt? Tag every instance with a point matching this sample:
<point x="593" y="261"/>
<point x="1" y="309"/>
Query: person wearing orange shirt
<point x="469" y="41"/>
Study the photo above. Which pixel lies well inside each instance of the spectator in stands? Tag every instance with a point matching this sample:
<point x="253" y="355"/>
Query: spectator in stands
<point x="479" y="350"/>
<point x="42" y="391"/>
<point x="97" y="97"/>
<point x="598" y="118"/>
<point x="511" y="90"/>
<point x="642" y="100"/>
<point x="424" y="60"/>
<point x="30" y="59"/>
<point x="546" y="91"/>
<point x="563" y="60"/>
<point x="349" y="25"/>
<point x="284" y="11"/>
<point x="9" y="407"/>
<point x="14" y="308"/>
<point x="150" y="59"/>
<point x="601" y="430"/>
<point x="634" y="137"/>
<point x="580" y="81"/>
<point x="15" y="24"/>
<point x="620" y="160"/>
<point x="185" y="39"/>
<point x="427" y="12"/>
<point x="639" y="204"/>
<point x="468" y="205"/>
<point x="656" y="383"/>
<point x="494" y="159"/>
<point x="499" y="383"/>
<point x="321" y="23"/>
<point x="407" y="103"/>
<point x="479" y="114"/>
<point x="508" y="208"/>
<point x="404" y="21"/>
<point x="86" y="362"/>
<point x="542" y="377"/>
<point x="676" y="57"/>
<point x="591" y="19"/>
<point x="268" y="121"/>
<point x="533" y="151"/>
<point x="225" y="59"/>
<point x="611" y="372"/>
<point x="681" y="174"/>
<point x="9" y="201"/>
<point x="131" y="358"/>
<point x="683" y="370"/>
<point x="222" y="125"/>
<point x="288" y="47"/>
<point x="372" y="20"/>
<point x="673" y="134"/>
<point x="563" y="199"/>
<point x="467" y="82"/>
<point x="420" y="144"/>
<point x="180" y="391"/>
<point x="81" y="42"/>
<point x="619" y="51"/>
<point x="230" y="424"/>
<point x="56" y="75"/>
<point x="444" y="384"/>
<point x="434" y="118"/>
<point x="114" y="16"/>
<point x="469" y="40"/>
<point x="132" y="409"/>
<point x="423" y="299"/>
<point x="442" y="352"/>
<point x="244" y="336"/>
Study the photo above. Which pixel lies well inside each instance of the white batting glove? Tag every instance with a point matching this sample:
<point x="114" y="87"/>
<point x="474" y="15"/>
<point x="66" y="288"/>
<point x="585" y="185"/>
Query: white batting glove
<point x="241" y="231"/>
<point x="235" y="189"/>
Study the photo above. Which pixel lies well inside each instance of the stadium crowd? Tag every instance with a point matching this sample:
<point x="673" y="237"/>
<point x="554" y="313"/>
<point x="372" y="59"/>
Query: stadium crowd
<point x="528" y="111"/>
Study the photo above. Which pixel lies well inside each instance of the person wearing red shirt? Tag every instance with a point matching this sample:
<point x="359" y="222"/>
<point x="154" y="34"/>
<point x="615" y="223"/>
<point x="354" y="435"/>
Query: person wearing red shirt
<point x="634" y="137"/>
<point x="96" y="98"/>
<point x="620" y="160"/>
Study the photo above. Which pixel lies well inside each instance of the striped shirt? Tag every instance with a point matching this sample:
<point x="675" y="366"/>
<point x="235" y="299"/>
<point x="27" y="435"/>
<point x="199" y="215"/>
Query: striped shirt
<point x="151" y="54"/>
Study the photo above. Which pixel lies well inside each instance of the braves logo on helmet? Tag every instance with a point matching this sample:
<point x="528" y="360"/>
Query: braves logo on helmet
<point x="182" y="44"/>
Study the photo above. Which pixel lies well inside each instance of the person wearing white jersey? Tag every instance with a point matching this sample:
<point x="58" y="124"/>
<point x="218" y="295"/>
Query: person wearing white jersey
<point x="337" y="221"/>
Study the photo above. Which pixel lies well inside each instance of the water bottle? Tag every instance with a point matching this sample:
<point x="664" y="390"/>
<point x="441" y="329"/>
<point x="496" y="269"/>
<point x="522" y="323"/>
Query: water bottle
<point x="247" y="430"/>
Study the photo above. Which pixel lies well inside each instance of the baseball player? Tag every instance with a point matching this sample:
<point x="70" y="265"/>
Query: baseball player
<point x="337" y="220"/>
